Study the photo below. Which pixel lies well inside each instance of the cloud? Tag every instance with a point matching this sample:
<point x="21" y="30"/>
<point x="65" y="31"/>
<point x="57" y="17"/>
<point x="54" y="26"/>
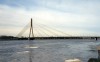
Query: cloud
<point x="79" y="16"/>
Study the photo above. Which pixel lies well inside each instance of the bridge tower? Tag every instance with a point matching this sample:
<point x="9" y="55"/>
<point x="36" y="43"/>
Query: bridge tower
<point x="31" y="29"/>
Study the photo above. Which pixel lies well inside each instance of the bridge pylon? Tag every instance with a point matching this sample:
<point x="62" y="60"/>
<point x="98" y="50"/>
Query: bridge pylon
<point x="31" y="29"/>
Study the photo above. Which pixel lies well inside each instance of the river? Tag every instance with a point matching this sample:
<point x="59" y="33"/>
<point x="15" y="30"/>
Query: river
<point x="48" y="50"/>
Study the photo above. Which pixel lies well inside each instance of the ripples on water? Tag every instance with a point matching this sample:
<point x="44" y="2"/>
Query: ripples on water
<point x="47" y="50"/>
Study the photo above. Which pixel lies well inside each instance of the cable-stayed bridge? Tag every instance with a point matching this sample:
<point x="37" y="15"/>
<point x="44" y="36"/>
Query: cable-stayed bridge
<point x="42" y="31"/>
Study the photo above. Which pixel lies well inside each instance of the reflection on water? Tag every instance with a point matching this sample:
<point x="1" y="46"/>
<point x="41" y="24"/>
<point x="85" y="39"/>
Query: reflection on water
<point x="73" y="60"/>
<point x="31" y="46"/>
<point x="23" y="52"/>
<point x="48" y="50"/>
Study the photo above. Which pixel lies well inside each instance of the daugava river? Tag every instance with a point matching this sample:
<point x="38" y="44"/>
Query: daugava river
<point x="48" y="50"/>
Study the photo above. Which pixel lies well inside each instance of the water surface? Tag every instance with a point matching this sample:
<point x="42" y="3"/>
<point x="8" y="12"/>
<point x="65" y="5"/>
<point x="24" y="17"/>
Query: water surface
<point x="48" y="50"/>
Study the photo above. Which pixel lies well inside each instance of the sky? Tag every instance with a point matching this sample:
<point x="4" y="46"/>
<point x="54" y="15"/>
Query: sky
<point x="75" y="17"/>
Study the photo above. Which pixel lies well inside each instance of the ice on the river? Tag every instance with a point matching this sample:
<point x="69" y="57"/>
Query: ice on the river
<point x="48" y="50"/>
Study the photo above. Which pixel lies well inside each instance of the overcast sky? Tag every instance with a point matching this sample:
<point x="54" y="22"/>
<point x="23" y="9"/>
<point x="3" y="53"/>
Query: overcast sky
<point x="75" y="17"/>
